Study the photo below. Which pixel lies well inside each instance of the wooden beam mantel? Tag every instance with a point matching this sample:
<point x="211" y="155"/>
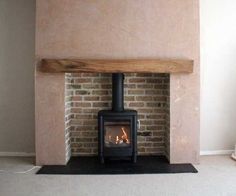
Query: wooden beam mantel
<point x="112" y="66"/>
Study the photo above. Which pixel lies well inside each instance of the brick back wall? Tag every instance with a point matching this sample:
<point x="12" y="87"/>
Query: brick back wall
<point x="146" y="93"/>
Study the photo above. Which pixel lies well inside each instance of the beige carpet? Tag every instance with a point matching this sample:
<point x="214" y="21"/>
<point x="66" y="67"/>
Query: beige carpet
<point x="217" y="176"/>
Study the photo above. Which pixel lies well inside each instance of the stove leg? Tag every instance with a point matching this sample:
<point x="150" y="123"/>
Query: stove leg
<point x="134" y="159"/>
<point x="102" y="159"/>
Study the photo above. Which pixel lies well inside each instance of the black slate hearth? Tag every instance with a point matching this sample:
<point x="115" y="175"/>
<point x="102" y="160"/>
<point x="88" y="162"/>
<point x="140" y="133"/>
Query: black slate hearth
<point x="92" y="166"/>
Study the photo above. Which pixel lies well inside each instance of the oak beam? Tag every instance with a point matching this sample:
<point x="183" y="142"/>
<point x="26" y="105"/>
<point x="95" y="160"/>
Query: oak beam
<point x="111" y="66"/>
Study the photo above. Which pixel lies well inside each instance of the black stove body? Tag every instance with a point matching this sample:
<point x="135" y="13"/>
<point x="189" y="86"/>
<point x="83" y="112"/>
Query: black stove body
<point x="117" y="128"/>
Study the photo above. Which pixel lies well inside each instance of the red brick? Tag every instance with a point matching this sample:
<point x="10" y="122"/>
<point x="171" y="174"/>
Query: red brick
<point x="153" y="92"/>
<point x="83" y="116"/>
<point x="143" y="98"/>
<point x="75" y="122"/>
<point x="141" y="139"/>
<point x="102" y="80"/>
<point x="76" y="110"/>
<point x="129" y="98"/>
<point x="145" y="144"/>
<point x="82" y="80"/>
<point x="154" y="139"/>
<point x="82" y="104"/>
<point x="90" y="110"/>
<point x="145" y="110"/>
<point x="159" y="98"/>
<point x="154" y="80"/>
<point x="74" y="86"/>
<point x="136" y="104"/>
<point x="159" y="110"/>
<point x="100" y="104"/>
<point x="89" y="134"/>
<point x="100" y="92"/>
<point x="91" y="98"/>
<point x="145" y="86"/>
<point x="141" y="116"/>
<point x="106" y="86"/>
<point x="129" y="85"/>
<point x="155" y="116"/>
<point x="154" y="127"/>
<point x="84" y="128"/>
<point x="82" y="92"/>
<point x="136" y="92"/>
<point x="153" y="104"/>
<point x="159" y="122"/>
<point x="106" y="98"/>
<point x="76" y="145"/>
<point x="90" y="86"/>
<point x="160" y="86"/>
<point x="76" y="98"/>
<point x="90" y="145"/>
<point x="146" y="122"/>
<point x="136" y="80"/>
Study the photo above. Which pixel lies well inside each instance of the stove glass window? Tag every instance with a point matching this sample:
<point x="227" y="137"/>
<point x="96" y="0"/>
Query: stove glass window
<point x="117" y="134"/>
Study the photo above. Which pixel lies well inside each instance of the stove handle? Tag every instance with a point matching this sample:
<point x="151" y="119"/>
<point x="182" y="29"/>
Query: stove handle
<point x="138" y="124"/>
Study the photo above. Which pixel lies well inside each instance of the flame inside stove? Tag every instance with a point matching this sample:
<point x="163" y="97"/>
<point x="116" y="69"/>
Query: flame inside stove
<point x="117" y="139"/>
<point x="118" y="136"/>
<point x="124" y="137"/>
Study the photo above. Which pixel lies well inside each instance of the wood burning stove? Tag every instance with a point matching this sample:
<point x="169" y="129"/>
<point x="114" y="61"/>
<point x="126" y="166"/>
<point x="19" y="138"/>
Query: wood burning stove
<point x="117" y="128"/>
<point x="117" y="134"/>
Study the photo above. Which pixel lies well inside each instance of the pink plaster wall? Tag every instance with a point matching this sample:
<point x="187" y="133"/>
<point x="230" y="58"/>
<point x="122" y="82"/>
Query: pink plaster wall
<point x="131" y="29"/>
<point x="50" y="115"/>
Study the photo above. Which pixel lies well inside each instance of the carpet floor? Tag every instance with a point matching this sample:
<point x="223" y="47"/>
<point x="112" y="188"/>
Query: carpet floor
<point x="216" y="176"/>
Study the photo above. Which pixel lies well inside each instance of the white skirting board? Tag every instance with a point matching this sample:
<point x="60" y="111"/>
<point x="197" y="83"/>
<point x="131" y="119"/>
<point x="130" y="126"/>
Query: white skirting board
<point x="216" y="152"/>
<point x="17" y="154"/>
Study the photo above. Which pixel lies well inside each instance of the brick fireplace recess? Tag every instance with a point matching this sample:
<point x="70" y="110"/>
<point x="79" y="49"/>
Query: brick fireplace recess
<point x="147" y="93"/>
<point x="73" y="76"/>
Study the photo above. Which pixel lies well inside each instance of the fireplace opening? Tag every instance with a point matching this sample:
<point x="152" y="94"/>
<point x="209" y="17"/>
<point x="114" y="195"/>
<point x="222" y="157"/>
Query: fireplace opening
<point x="117" y="128"/>
<point x="88" y="94"/>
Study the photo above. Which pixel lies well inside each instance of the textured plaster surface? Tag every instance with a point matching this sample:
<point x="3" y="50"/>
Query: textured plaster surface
<point x="50" y="115"/>
<point x="130" y="29"/>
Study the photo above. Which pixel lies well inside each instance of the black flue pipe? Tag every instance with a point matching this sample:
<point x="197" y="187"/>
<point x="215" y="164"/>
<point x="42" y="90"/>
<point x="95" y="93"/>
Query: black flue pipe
<point x="118" y="92"/>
